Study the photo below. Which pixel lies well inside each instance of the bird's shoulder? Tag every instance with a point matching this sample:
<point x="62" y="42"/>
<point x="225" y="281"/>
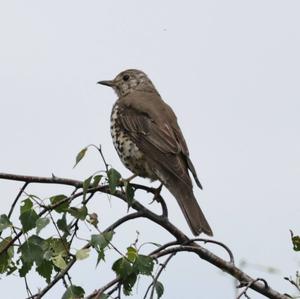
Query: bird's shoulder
<point x="146" y="111"/>
<point x="149" y="104"/>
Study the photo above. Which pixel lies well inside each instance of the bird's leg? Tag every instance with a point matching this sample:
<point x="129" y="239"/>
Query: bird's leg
<point x="157" y="197"/>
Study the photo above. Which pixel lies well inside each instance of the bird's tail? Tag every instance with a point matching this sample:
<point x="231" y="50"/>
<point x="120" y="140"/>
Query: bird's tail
<point x="190" y="208"/>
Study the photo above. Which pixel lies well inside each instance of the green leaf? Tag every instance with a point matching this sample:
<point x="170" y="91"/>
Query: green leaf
<point x="126" y="272"/>
<point x="123" y="268"/>
<point x="73" y="292"/>
<point x="78" y="213"/>
<point x="144" y="264"/>
<point x="159" y="288"/>
<point x="82" y="254"/>
<point x="59" y="262"/>
<point x="128" y="284"/>
<point x="32" y="250"/>
<point x="62" y="224"/>
<point x="41" y="223"/>
<point x="25" y="268"/>
<point x="6" y="256"/>
<point x="129" y="194"/>
<point x="100" y="257"/>
<point x="100" y="242"/>
<point x="4" y="222"/>
<point x="28" y="215"/>
<point x="296" y="243"/>
<point x="27" y="205"/>
<point x="48" y="254"/>
<point x="58" y="246"/>
<point x="89" y="184"/>
<point x="28" y="220"/>
<point x="45" y="270"/>
<point x="132" y="254"/>
<point x="96" y="180"/>
<point x="86" y="185"/>
<point x="63" y="207"/>
<point x="79" y="156"/>
<point x="113" y="179"/>
<point x="11" y="268"/>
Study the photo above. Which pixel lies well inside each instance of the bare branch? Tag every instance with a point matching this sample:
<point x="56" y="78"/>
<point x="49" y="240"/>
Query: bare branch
<point x="58" y="277"/>
<point x="248" y="285"/>
<point x="215" y="242"/>
<point x="293" y="283"/>
<point x="16" y="199"/>
<point x="39" y="179"/>
<point x="155" y="279"/>
<point x="203" y="253"/>
<point x="97" y="293"/>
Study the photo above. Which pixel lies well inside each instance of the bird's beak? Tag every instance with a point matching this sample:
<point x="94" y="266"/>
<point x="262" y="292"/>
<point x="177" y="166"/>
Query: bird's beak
<point x="109" y="83"/>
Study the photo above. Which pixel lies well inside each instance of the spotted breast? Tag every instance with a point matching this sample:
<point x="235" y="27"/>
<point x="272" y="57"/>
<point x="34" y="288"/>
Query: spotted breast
<point x="129" y="153"/>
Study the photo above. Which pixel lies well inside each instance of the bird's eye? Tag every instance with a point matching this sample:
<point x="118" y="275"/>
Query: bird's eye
<point x="126" y="77"/>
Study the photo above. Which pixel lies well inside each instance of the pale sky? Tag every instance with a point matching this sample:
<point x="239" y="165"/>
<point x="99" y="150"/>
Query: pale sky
<point x="231" y="72"/>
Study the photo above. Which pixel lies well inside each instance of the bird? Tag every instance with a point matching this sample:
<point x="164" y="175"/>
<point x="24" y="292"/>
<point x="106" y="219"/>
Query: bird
<point x="150" y="143"/>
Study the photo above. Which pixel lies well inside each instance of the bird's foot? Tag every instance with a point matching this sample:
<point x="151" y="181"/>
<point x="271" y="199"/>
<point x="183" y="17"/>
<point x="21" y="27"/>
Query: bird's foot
<point x="157" y="197"/>
<point x="156" y="194"/>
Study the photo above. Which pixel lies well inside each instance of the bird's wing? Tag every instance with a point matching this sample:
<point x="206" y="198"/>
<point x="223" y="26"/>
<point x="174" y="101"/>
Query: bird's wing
<point x="157" y="140"/>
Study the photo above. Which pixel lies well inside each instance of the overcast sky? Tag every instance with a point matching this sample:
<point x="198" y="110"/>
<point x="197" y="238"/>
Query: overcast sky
<point x="231" y="72"/>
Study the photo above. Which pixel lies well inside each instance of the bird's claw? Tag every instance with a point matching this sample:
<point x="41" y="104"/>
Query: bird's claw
<point x="156" y="194"/>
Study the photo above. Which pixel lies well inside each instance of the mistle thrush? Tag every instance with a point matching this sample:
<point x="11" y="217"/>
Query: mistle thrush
<point x="150" y="143"/>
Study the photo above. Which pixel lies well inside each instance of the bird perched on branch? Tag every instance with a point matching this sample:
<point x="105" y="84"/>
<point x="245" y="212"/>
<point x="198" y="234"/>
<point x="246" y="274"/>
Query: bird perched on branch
<point x="150" y="143"/>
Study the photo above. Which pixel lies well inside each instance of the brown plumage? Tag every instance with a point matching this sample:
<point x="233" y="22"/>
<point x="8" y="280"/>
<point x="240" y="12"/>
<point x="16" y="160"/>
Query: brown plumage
<point x="150" y="143"/>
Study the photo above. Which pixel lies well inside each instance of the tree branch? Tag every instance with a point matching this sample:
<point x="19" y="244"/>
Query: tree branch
<point x="162" y="221"/>
<point x="40" y="179"/>
<point x="16" y="199"/>
<point x="205" y="254"/>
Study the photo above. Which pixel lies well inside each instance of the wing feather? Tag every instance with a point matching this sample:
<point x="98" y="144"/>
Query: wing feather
<point x="156" y="140"/>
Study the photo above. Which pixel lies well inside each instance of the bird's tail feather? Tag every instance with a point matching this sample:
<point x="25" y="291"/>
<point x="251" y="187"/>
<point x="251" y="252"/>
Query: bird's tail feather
<point x="190" y="208"/>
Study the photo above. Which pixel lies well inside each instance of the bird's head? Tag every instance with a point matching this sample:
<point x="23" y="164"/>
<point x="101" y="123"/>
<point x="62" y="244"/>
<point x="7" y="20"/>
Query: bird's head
<point x="128" y="81"/>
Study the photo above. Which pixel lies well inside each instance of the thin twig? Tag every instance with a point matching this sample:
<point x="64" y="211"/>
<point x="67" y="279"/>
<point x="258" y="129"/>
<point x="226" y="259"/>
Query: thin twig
<point x="161" y="248"/>
<point x="54" y="281"/>
<point x="16" y="199"/>
<point x="112" y="245"/>
<point x="247" y="286"/>
<point x="59" y="234"/>
<point x="155" y="279"/>
<point x="256" y="285"/>
<point x="96" y="294"/>
<point x="109" y="293"/>
<point x="215" y="242"/>
<point x="102" y="156"/>
<point x="293" y="283"/>
<point x="29" y="293"/>
<point x="119" y="291"/>
<point x="75" y="224"/>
